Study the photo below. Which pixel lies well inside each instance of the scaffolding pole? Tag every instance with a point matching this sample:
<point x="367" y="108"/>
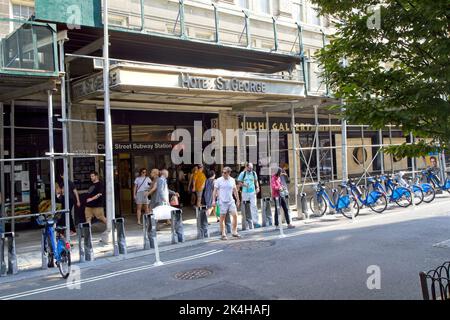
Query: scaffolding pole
<point x="12" y="166"/>
<point x="51" y="150"/>
<point x="2" y="169"/>
<point x="344" y="146"/>
<point x="109" y="165"/>
<point x="294" y="155"/>
<point x="316" y="117"/>
<point x="391" y="156"/>
<point x="330" y="132"/>
<point x="244" y="131"/>
<point x="413" y="159"/>
<point x="65" y="140"/>
<point x="380" y="138"/>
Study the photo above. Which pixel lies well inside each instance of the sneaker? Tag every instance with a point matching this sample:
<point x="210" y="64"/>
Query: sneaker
<point x="223" y="237"/>
<point x="291" y="226"/>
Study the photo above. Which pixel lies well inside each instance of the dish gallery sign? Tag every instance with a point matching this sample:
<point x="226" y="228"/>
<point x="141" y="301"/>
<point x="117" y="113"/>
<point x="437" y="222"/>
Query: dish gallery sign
<point x="222" y="84"/>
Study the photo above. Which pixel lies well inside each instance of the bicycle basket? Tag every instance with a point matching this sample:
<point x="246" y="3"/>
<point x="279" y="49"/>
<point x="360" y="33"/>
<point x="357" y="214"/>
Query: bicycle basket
<point x="373" y="197"/>
<point x="447" y="185"/>
<point x="343" y="202"/>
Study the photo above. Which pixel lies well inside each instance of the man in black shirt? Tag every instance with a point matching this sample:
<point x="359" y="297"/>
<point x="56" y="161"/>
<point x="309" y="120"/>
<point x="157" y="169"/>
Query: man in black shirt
<point x="94" y="202"/>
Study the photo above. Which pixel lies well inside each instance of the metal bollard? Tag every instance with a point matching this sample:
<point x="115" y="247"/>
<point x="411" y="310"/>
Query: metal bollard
<point x="80" y="242"/>
<point x="12" y="257"/>
<point x="148" y="232"/>
<point x="154" y="238"/>
<point x="44" y="257"/>
<point x="85" y="242"/>
<point x="246" y="213"/>
<point x="177" y="226"/>
<point x="304" y="206"/>
<point x="266" y="212"/>
<point x="280" y="223"/>
<point x="202" y="222"/>
<point x="121" y="245"/>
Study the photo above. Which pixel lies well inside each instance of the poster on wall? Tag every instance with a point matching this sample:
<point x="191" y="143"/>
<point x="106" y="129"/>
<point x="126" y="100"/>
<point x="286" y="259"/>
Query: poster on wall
<point x="359" y="156"/>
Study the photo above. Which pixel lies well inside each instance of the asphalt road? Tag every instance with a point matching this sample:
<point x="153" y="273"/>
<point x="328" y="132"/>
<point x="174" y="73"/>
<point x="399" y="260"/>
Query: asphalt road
<point x="330" y="261"/>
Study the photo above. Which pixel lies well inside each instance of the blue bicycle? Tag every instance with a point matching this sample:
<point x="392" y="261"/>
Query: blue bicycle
<point x="374" y="199"/>
<point x="416" y="189"/>
<point x="429" y="194"/>
<point x="395" y="193"/>
<point x="344" y="203"/>
<point x="436" y="181"/>
<point x="56" y="248"/>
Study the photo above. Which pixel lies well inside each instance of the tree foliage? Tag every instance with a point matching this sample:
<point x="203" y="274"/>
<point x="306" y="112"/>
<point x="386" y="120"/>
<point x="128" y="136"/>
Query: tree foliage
<point x="398" y="66"/>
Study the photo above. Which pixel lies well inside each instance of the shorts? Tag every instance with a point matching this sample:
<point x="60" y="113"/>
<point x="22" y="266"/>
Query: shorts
<point x="199" y="194"/>
<point x="142" y="197"/>
<point x="227" y="207"/>
<point x="98" y="213"/>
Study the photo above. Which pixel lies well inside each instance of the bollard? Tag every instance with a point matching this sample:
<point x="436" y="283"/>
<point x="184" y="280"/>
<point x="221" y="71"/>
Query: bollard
<point x="228" y="223"/>
<point x="154" y="238"/>
<point x="202" y="222"/>
<point x="2" y="256"/>
<point x="148" y="232"/>
<point x="44" y="256"/>
<point x="87" y="241"/>
<point x="177" y="226"/>
<point x="121" y="245"/>
<point x="278" y="209"/>
<point x="12" y="257"/>
<point x="266" y="212"/>
<point x="246" y="213"/>
<point x="80" y="242"/>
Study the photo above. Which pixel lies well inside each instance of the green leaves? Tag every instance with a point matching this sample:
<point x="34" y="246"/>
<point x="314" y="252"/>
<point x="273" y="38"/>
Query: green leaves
<point x="398" y="72"/>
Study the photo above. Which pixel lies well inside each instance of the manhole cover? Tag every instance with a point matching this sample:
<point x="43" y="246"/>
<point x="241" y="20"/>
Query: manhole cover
<point x="193" y="274"/>
<point x="249" y="245"/>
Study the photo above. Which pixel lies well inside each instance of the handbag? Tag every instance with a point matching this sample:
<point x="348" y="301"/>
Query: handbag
<point x="284" y="192"/>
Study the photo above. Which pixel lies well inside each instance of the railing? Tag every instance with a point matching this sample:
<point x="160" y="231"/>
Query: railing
<point x="29" y="50"/>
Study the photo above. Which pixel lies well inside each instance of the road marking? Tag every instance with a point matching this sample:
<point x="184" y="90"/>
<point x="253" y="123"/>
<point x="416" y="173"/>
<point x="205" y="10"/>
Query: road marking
<point x="105" y="276"/>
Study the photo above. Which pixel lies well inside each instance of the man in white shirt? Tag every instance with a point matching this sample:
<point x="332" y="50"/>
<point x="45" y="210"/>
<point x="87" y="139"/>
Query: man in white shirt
<point x="224" y="188"/>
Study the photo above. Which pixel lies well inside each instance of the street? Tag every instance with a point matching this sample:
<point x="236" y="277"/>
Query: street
<point x="320" y="260"/>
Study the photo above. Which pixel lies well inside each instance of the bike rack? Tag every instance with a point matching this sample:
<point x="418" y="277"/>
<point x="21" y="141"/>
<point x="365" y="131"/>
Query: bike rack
<point x="202" y="222"/>
<point x="149" y="231"/>
<point x="85" y="242"/>
<point x="12" y="257"/>
<point x="266" y="212"/>
<point x="246" y="213"/>
<point x="177" y="226"/>
<point x="118" y="226"/>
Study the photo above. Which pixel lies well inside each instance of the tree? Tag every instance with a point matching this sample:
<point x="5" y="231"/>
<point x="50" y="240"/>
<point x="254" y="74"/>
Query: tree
<point x="398" y="66"/>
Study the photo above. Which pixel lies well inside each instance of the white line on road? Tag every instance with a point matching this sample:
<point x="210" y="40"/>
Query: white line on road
<point x="105" y="276"/>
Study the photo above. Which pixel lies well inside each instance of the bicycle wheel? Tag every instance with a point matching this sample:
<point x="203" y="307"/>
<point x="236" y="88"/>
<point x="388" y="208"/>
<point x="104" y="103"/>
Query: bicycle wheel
<point x="429" y="194"/>
<point x="49" y="252"/>
<point x="418" y="195"/>
<point x="64" y="264"/>
<point x="405" y="200"/>
<point x="352" y="210"/>
<point x="318" y="205"/>
<point x="380" y="205"/>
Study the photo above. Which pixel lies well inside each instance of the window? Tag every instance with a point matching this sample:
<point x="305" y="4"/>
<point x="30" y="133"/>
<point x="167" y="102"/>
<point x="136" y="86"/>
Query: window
<point x="263" y="6"/>
<point x="297" y="13"/>
<point x="21" y="12"/>
<point x="314" y="17"/>
<point x="244" y="4"/>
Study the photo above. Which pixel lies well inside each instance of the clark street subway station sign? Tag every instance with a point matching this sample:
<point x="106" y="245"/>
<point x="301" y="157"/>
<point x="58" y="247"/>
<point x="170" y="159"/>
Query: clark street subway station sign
<point x="136" y="147"/>
<point x="126" y="78"/>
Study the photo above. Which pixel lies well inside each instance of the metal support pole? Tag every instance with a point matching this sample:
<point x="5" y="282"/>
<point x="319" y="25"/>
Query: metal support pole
<point x="344" y="146"/>
<point x="275" y="33"/>
<point x="12" y="166"/>
<point x="381" y="153"/>
<point x="216" y="23"/>
<point x="51" y="150"/>
<point x="316" y="117"/>
<point x="142" y="16"/>
<point x="413" y="159"/>
<point x="443" y="166"/>
<point x="330" y="132"/>
<point x="182" y="20"/>
<point x="365" y="170"/>
<point x="268" y="152"/>
<point x="2" y="171"/>
<point x="302" y="56"/>
<point x="245" y="138"/>
<point x="109" y="165"/>
<point x="65" y="140"/>
<point x="391" y="156"/>
<point x="69" y="115"/>
<point x="247" y="29"/>
<point x="294" y="151"/>
<point x="327" y="92"/>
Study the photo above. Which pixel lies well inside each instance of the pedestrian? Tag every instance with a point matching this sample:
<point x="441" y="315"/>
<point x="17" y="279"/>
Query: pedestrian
<point x="198" y="184"/>
<point x="140" y="193"/>
<point x="248" y="181"/>
<point x="74" y="198"/>
<point x="278" y="192"/>
<point x="94" y="201"/>
<point x="224" y="189"/>
<point x="190" y="185"/>
<point x="208" y="193"/>
<point x="160" y="193"/>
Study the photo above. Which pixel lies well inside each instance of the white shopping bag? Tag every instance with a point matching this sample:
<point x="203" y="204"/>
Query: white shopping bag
<point x="163" y="212"/>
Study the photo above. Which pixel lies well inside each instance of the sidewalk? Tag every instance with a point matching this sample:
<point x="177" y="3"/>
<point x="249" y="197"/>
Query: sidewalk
<point x="28" y="243"/>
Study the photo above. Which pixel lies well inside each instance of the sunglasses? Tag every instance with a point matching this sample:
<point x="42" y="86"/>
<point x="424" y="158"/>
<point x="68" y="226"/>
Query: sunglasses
<point x="225" y="172"/>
